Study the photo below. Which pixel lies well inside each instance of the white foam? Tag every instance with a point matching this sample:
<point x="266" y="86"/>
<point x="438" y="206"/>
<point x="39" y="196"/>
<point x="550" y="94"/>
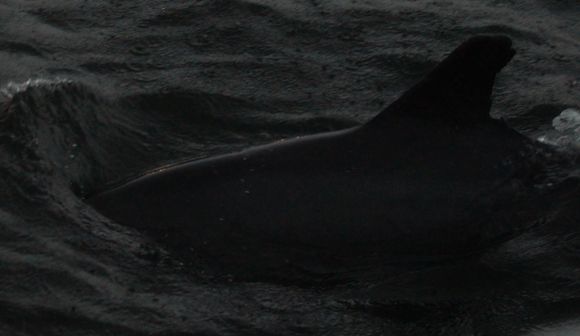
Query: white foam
<point x="13" y="88"/>
<point x="566" y="130"/>
<point x="569" y="119"/>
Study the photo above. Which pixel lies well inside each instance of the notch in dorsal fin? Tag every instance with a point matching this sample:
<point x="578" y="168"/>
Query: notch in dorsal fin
<point x="460" y="87"/>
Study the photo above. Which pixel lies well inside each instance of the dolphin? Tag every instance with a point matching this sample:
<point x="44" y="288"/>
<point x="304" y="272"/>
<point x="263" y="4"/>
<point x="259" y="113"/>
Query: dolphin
<point x="431" y="175"/>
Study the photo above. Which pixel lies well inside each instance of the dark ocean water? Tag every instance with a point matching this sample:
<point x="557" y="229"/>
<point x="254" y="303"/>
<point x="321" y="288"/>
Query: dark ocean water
<point x="94" y="93"/>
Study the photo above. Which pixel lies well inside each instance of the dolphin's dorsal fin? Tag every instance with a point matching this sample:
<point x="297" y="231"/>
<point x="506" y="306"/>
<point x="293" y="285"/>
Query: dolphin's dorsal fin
<point x="459" y="88"/>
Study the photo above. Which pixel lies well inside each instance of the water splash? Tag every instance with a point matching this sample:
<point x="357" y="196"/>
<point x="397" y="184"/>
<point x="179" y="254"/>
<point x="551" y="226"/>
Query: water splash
<point x="13" y="88"/>
<point x="565" y="130"/>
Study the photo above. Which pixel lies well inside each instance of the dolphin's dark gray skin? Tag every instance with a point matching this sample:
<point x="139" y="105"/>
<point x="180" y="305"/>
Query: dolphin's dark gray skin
<point x="432" y="174"/>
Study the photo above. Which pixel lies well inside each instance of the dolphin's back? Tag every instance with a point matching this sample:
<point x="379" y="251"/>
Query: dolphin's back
<point x="433" y="173"/>
<point x="330" y="191"/>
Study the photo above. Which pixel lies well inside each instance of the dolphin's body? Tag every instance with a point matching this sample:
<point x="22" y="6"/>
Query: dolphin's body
<point x="432" y="174"/>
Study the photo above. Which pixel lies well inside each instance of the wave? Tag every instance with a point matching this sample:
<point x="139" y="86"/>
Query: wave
<point x="58" y="132"/>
